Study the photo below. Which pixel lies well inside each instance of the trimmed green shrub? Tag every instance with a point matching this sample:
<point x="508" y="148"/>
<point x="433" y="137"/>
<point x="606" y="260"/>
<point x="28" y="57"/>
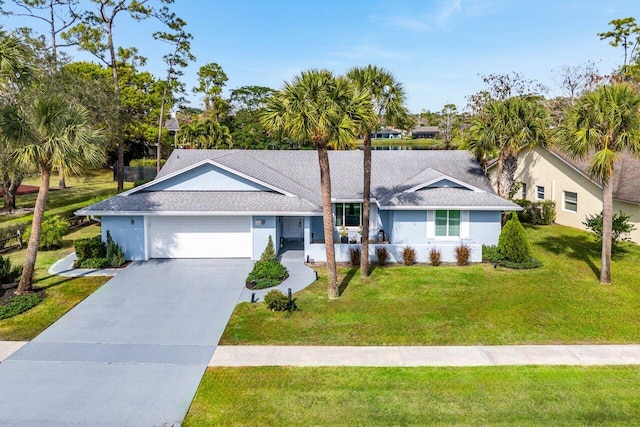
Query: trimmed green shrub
<point x="409" y="255"/>
<point x="521" y="265"/>
<point x="513" y="244"/>
<point x="269" y="253"/>
<point x="146" y="163"/>
<point x="266" y="274"/>
<point x="434" y="256"/>
<point x="115" y="256"/>
<point x="621" y="228"/>
<point x="19" y="304"/>
<point x="8" y="274"/>
<point x="53" y="230"/>
<point x="277" y="301"/>
<point x="354" y="256"/>
<point x="90" y="248"/>
<point x="94" y="253"/>
<point x="383" y="255"/>
<point x="490" y="254"/>
<point x="537" y="213"/>
<point x="463" y="254"/>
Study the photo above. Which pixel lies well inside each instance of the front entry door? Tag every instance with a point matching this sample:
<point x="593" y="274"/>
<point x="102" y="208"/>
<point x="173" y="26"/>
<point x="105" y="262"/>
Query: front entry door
<point x="292" y="227"/>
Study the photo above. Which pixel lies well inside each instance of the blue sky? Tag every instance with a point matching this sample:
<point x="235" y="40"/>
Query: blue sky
<point x="437" y="48"/>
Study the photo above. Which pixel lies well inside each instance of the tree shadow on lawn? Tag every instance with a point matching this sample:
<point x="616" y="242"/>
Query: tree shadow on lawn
<point x="52" y="284"/>
<point x="580" y="248"/>
<point x="347" y="279"/>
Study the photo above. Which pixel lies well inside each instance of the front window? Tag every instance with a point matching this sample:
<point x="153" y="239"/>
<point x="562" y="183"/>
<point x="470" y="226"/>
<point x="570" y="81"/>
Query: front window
<point x="540" y="192"/>
<point x="524" y="190"/>
<point x="448" y="223"/>
<point x="348" y="214"/>
<point x="570" y="201"/>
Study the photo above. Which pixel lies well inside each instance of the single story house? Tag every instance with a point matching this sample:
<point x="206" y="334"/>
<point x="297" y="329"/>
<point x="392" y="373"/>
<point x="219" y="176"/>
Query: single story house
<point x="387" y="133"/>
<point x="226" y="203"/>
<point x="425" y="132"/>
<point x="549" y="174"/>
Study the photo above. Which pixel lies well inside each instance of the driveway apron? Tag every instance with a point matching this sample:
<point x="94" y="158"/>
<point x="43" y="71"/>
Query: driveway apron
<point x="132" y="353"/>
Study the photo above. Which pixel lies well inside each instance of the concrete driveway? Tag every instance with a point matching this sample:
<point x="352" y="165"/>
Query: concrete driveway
<point x="133" y="353"/>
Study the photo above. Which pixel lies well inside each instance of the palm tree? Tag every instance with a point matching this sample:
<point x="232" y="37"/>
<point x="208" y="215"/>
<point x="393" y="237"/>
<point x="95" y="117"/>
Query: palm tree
<point x="46" y="133"/>
<point x="15" y="60"/>
<point x="327" y="112"/>
<point x="387" y="100"/>
<point x="598" y="127"/>
<point x="508" y="126"/>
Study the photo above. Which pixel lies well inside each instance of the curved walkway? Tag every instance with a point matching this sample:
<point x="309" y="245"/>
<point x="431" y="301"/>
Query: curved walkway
<point x="300" y="277"/>
<point x="65" y="268"/>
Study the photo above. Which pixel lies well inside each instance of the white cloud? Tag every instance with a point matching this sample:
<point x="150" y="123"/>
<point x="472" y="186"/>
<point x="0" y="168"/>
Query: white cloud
<point x="446" y="11"/>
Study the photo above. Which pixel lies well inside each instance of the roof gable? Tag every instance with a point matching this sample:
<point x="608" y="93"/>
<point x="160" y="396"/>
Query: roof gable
<point x="444" y="182"/>
<point x="207" y="177"/>
<point x="212" y="176"/>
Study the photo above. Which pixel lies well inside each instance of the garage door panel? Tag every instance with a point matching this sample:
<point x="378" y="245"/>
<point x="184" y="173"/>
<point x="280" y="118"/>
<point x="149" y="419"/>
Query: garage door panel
<point x="200" y="237"/>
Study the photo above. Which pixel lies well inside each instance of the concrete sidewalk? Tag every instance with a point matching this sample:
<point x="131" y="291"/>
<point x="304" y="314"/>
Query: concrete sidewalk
<point x="255" y="355"/>
<point x="409" y="356"/>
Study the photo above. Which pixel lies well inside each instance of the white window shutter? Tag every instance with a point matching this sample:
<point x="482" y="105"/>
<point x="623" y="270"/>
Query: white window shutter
<point x="464" y="224"/>
<point x="431" y="224"/>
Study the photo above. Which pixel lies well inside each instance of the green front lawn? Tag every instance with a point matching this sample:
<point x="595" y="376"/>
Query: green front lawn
<point x="62" y="293"/>
<point x="80" y="191"/>
<point x="560" y="302"/>
<point x="522" y="396"/>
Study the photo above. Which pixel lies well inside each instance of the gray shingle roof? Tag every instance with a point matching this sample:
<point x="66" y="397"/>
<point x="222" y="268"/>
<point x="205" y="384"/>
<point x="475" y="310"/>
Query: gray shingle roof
<point x="447" y="197"/>
<point x="200" y="201"/>
<point x="297" y="173"/>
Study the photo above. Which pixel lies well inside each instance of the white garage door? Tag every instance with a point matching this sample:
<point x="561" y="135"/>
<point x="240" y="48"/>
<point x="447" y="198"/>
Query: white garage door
<point x="200" y="237"/>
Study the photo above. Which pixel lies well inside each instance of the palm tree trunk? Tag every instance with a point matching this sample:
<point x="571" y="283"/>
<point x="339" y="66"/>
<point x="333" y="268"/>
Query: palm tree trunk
<point x="13" y="189"/>
<point x="6" y="183"/>
<point x="36" y="227"/>
<point x="607" y="230"/>
<point x="366" y="206"/>
<point x="327" y="221"/>
<point x="506" y="179"/>
<point x="61" y="181"/>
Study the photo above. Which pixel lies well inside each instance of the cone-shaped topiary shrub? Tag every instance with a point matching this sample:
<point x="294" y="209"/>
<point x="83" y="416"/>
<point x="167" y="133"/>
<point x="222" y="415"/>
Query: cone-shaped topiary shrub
<point x="269" y="253"/>
<point x="513" y="244"/>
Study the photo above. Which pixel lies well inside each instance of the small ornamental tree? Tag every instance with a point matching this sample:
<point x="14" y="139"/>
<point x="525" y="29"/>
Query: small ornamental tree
<point x="268" y="271"/>
<point x="513" y="244"/>
<point x="269" y="253"/>
<point x="620" y="225"/>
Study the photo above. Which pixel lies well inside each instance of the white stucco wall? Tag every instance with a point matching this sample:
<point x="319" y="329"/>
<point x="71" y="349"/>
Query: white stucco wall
<point x="128" y="232"/>
<point x="417" y="229"/>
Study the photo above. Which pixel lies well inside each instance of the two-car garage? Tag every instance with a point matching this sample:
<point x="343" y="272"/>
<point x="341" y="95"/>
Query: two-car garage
<point x="199" y="236"/>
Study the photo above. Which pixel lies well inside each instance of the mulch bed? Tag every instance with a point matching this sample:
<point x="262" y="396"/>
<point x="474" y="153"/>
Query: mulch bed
<point x="7" y="294"/>
<point x="27" y="189"/>
<point x="23" y="189"/>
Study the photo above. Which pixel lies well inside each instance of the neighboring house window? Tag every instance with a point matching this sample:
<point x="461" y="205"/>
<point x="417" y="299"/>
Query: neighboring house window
<point x="570" y="201"/>
<point x="540" y="192"/>
<point x="448" y="223"/>
<point x="524" y="190"/>
<point x="348" y="214"/>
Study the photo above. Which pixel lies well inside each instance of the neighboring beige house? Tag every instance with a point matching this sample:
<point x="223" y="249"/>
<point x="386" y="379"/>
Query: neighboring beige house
<point x="547" y="174"/>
